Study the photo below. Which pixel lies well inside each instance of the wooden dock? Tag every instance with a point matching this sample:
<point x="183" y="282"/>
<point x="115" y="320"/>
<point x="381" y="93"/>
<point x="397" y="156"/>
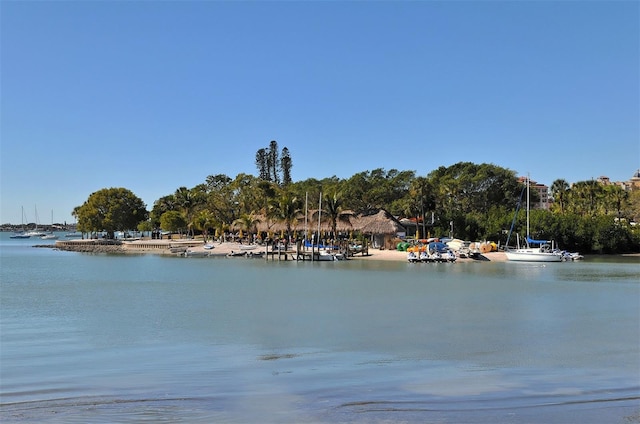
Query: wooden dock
<point x="300" y="254"/>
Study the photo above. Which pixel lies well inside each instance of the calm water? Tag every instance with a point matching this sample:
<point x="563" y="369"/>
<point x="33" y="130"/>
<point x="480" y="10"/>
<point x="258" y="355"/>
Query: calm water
<point x="104" y="339"/>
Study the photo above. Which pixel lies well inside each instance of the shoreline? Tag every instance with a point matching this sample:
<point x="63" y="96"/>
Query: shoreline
<point x="224" y="249"/>
<point x="172" y="247"/>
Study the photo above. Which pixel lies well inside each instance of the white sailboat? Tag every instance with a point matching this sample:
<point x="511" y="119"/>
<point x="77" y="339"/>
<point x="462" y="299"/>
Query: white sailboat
<point x="50" y="235"/>
<point x="533" y="250"/>
<point x="22" y="234"/>
<point x="36" y="232"/>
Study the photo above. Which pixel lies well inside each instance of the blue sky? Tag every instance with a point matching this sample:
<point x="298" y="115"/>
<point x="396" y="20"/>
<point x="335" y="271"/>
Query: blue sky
<point x="152" y="96"/>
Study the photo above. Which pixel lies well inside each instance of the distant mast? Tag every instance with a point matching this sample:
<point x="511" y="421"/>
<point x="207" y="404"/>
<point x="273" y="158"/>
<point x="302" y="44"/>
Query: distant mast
<point x="319" y="217"/>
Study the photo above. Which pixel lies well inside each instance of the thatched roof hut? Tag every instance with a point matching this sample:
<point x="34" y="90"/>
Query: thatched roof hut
<point x="381" y="222"/>
<point x="344" y="224"/>
<point x="267" y="224"/>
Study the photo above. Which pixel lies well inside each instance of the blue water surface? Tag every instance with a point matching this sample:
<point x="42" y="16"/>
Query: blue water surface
<point x="144" y="338"/>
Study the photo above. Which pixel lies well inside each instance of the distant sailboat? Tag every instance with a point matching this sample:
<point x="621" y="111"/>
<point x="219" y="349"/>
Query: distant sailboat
<point x="21" y="234"/>
<point x="50" y="235"/>
<point x="36" y="232"/>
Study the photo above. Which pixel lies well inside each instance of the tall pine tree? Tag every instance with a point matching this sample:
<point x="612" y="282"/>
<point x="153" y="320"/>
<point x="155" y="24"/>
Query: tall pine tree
<point x="285" y="167"/>
<point x="274" y="167"/>
<point x="261" y="164"/>
<point x="273" y="161"/>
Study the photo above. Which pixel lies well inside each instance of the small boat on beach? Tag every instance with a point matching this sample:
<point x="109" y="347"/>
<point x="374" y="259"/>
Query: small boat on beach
<point x="191" y="253"/>
<point x="248" y="246"/>
<point x="440" y="252"/>
<point x="435" y="251"/>
<point x="413" y="257"/>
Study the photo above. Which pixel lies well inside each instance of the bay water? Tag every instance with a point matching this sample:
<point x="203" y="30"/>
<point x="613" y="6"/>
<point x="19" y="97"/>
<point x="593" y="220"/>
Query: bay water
<point x="95" y="338"/>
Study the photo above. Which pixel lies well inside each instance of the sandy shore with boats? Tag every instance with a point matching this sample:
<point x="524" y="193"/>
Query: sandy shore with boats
<point x="199" y="248"/>
<point x="228" y="248"/>
<point x="395" y="255"/>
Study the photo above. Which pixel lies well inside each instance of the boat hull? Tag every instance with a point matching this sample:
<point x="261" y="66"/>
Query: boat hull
<point x="532" y="255"/>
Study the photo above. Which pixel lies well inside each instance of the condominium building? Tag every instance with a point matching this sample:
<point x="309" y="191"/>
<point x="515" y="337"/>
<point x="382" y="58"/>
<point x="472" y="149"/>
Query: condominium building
<point x="543" y="193"/>
<point x="632" y="184"/>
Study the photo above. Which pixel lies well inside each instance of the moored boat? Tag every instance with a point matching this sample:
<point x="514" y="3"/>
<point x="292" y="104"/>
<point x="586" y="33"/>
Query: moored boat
<point x="542" y="253"/>
<point x="324" y="255"/>
<point x="533" y="250"/>
<point x="21" y="234"/>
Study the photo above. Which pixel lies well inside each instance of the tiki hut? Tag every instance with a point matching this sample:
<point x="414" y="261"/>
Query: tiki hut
<point x="343" y="225"/>
<point x="382" y="227"/>
<point x="269" y="225"/>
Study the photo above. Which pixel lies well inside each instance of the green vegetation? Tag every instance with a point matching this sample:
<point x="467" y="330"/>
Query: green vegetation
<point x="273" y="166"/>
<point x="110" y="210"/>
<point x="477" y="200"/>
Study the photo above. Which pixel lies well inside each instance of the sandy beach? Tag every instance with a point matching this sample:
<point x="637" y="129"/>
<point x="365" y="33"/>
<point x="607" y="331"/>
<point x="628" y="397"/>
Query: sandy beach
<point x="227" y="248"/>
<point x="172" y="247"/>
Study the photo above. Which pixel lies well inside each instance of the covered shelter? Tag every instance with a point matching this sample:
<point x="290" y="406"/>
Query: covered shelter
<point x="382" y="227"/>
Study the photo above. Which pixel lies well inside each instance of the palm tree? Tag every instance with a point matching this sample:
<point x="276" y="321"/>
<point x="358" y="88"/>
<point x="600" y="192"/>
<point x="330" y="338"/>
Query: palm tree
<point x="190" y="201"/>
<point x="285" y="208"/>
<point x="333" y="210"/>
<point x="617" y="197"/>
<point x="185" y="201"/>
<point x="248" y="222"/>
<point x="420" y="190"/>
<point x="585" y="196"/>
<point x="559" y="191"/>
<point x="203" y="221"/>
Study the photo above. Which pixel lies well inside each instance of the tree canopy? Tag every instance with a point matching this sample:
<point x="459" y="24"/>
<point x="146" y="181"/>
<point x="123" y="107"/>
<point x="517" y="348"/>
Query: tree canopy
<point x="110" y="210"/>
<point x="465" y="200"/>
<point x="274" y="166"/>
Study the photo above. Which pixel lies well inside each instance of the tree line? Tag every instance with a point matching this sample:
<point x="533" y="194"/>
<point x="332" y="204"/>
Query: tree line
<point x="477" y="201"/>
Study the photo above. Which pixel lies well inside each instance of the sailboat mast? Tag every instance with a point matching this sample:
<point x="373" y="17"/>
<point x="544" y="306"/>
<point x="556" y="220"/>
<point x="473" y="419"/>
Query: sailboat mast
<point x="306" y="202"/>
<point x="319" y="216"/>
<point x="528" y="177"/>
